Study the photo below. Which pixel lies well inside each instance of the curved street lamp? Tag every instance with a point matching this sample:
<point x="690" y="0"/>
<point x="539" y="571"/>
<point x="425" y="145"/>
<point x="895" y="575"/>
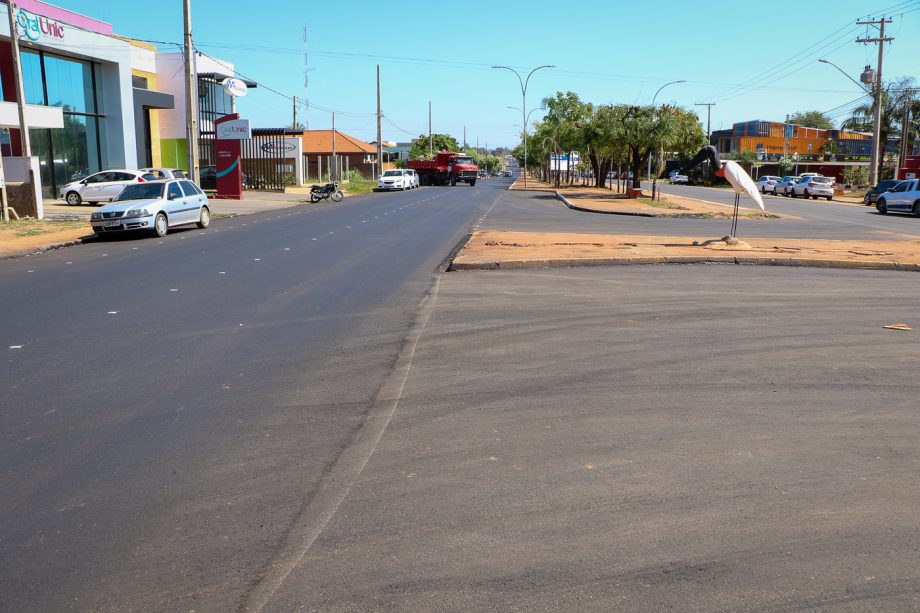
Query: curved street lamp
<point x="524" y="83"/>
<point x="649" y="173"/>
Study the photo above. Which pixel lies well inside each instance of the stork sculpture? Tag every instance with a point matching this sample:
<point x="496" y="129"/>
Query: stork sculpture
<point x="734" y="173"/>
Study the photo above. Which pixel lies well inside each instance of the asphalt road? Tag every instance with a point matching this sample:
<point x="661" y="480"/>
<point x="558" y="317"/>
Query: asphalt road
<point x="170" y="404"/>
<point x="292" y="411"/>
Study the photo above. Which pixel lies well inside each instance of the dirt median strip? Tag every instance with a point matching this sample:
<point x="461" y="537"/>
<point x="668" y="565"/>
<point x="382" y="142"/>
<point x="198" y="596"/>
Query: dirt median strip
<point x="516" y="250"/>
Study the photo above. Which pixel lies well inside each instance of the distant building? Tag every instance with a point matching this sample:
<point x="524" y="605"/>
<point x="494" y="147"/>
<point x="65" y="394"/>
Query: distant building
<point x="773" y="139"/>
<point x="352" y="153"/>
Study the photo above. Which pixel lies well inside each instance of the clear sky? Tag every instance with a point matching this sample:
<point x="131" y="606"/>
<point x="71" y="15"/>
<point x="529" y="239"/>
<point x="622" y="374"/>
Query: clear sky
<point x="753" y="61"/>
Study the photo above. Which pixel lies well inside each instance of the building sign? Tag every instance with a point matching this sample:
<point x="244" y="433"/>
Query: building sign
<point x="235" y="87"/>
<point x="37" y="27"/>
<point x="560" y="162"/>
<point x="234" y="129"/>
<point x="228" y="173"/>
<point x="278" y="147"/>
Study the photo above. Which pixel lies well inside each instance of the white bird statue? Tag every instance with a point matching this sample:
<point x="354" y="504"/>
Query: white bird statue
<point x="741" y="181"/>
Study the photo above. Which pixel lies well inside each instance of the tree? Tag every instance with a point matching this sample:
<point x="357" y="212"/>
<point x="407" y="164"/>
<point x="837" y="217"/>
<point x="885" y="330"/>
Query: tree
<point x="857" y="176"/>
<point x="895" y="96"/>
<point x="812" y="119"/>
<point x="441" y="142"/>
<point x="295" y="125"/>
<point x="786" y="165"/>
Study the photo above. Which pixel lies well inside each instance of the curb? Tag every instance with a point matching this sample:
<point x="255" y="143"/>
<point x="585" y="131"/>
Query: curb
<point x="588" y="262"/>
<point x="574" y="207"/>
<point x="51" y="247"/>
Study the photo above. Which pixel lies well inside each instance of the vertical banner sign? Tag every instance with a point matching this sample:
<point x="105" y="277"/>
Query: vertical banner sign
<point x="230" y="131"/>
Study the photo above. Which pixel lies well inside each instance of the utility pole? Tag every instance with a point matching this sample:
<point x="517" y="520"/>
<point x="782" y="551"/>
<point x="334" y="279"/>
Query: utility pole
<point x="877" y="150"/>
<point x="708" y="106"/>
<point x="306" y="82"/>
<point x="335" y="160"/>
<point x="430" y="144"/>
<point x="20" y="90"/>
<point x="464" y="137"/>
<point x="191" y="99"/>
<point x="379" y="128"/>
<point x="294" y="124"/>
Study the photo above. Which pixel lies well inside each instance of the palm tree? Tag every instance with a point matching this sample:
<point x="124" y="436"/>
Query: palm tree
<point x="894" y="97"/>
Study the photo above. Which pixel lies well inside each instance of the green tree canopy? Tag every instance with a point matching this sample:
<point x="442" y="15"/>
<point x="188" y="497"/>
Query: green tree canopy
<point x="812" y="119"/>
<point x="440" y="142"/>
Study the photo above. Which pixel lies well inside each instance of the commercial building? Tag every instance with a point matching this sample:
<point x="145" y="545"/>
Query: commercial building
<point x="91" y="93"/>
<point x="771" y="140"/>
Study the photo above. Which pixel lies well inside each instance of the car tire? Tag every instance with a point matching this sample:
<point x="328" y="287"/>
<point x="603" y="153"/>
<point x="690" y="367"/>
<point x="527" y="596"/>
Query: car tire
<point x="205" y="219"/>
<point x="792" y="194"/>
<point x="829" y="198"/>
<point x="73" y="199"/>
<point x="160" y="225"/>
<point x="881" y="206"/>
<point x="916" y="209"/>
<point x="814" y="197"/>
<point x="807" y="195"/>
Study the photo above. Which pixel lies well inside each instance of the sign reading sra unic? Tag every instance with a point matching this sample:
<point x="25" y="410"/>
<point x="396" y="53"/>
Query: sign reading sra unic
<point x="237" y="129"/>
<point x="35" y="27"/>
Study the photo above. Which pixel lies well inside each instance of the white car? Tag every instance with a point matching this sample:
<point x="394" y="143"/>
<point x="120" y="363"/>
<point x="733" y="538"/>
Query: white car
<point x="414" y="176"/>
<point x="813" y="186"/>
<point x="903" y="197"/>
<point x="767" y="184"/>
<point x="396" y="179"/>
<point x="679" y="179"/>
<point x="154" y="206"/>
<point x="784" y="185"/>
<point x="163" y="173"/>
<point x="100" y="187"/>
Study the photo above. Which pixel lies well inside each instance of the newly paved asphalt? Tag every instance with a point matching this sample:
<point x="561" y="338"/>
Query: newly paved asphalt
<point x="170" y="404"/>
<point x="299" y="413"/>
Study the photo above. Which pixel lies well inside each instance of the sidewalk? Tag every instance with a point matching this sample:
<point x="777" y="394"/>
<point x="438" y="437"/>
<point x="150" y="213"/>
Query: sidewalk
<point x="65" y="225"/>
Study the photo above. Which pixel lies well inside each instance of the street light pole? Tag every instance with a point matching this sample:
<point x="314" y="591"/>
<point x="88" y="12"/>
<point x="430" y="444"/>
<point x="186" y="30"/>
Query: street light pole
<point x="524" y="83"/>
<point x="649" y="173"/>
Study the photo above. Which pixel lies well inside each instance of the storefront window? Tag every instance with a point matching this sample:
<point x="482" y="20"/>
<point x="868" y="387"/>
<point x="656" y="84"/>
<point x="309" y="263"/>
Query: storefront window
<point x="73" y="152"/>
<point x="70" y="84"/>
<point x="32" y="77"/>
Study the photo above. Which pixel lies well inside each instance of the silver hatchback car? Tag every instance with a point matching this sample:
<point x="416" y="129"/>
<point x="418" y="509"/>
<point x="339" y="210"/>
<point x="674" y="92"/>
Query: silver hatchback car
<point x="154" y="206"/>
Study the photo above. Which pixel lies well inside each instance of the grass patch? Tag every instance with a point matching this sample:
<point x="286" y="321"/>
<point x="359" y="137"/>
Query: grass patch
<point x="662" y="204"/>
<point x="35" y="227"/>
<point x="359" y="186"/>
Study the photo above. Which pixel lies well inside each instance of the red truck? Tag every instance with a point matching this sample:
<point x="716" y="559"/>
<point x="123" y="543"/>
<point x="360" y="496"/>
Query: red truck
<point x="446" y="169"/>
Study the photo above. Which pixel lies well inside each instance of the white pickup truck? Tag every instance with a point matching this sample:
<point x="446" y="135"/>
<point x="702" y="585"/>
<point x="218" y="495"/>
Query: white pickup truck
<point x="903" y="197"/>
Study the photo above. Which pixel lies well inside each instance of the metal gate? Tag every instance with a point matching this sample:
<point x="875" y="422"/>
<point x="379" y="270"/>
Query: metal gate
<point x="262" y="159"/>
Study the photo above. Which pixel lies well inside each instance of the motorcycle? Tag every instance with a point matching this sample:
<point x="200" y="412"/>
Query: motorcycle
<point x="329" y="190"/>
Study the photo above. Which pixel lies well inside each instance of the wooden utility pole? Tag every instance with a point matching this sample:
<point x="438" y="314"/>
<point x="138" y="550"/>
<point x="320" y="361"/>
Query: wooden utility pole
<point x="294" y="124"/>
<point x="17" y="77"/>
<point x="334" y="175"/>
<point x="379" y="128"/>
<point x="708" y="106"/>
<point x="191" y="98"/>
<point x="430" y="144"/>
<point x="877" y="146"/>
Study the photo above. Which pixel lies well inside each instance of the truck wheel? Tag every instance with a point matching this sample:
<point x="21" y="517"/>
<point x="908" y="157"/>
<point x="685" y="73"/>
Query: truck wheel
<point x="453" y="181"/>
<point x="473" y="183"/>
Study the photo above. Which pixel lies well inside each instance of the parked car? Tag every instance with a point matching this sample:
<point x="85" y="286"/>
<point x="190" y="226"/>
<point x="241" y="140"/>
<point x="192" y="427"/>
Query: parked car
<point x="165" y="173"/>
<point x="153" y="206"/>
<point x="100" y="187"/>
<point x="813" y="186"/>
<point x="784" y="185"/>
<point x="395" y="179"/>
<point x="767" y="184"/>
<point x="903" y="197"/>
<point x="679" y="179"/>
<point x="414" y="176"/>
<point x="872" y="195"/>
<point x="507" y="173"/>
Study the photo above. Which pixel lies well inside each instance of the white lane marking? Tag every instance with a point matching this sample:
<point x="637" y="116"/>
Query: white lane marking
<point x="15" y="346"/>
<point x="30" y="271"/>
<point x="174" y="289"/>
<point x="133" y="248"/>
<point x="312" y="239"/>
<point x="256" y="259"/>
<point x="112" y="313"/>
<point x="105" y="255"/>
<point x="69" y="262"/>
<point x="287" y="248"/>
<point x="222" y="273"/>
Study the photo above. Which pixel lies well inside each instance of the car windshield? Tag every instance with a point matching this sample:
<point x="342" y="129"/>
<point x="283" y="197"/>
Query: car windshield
<point x="141" y="191"/>
<point x="393" y="173"/>
<point x="463" y="160"/>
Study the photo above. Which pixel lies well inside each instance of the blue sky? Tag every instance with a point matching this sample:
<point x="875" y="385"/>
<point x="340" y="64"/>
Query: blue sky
<point x="754" y="62"/>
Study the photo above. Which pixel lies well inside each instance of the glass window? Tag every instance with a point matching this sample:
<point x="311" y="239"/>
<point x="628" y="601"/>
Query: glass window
<point x="102" y="177"/>
<point x="32" y="77"/>
<point x="122" y="176"/>
<point x="174" y="191"/>
<point x="70" y="84"/>
<point x="178" y="174"/>
<point x="187" y="188"/>
<point x="71" y="150"/>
